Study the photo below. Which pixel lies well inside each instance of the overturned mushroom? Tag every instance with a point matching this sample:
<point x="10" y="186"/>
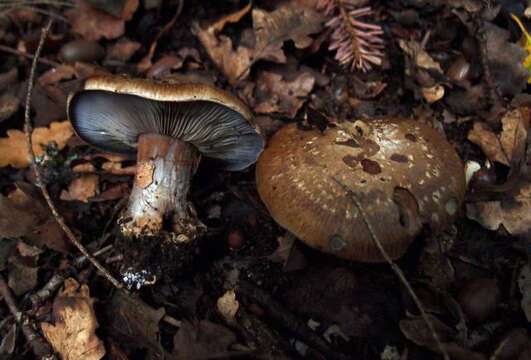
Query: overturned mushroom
<point x="169" y="127"/>
<point x="403" y="173"/>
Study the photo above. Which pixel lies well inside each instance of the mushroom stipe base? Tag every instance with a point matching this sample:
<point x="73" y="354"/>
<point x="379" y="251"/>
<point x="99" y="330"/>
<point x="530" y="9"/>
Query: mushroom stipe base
<point x="158" y="204"/>
<point x="154" y="259"/>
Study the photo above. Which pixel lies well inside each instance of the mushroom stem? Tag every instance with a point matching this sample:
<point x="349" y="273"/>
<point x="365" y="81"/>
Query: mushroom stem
<point x="165" y="167"/>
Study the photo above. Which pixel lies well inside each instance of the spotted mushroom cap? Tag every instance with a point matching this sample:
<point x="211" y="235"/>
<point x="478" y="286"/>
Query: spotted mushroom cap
<point x="112" y="111"/>
<point x="403" y="174"/>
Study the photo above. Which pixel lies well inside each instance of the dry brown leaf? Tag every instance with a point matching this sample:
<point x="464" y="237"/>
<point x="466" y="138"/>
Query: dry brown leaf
<point x="14" y="150"/>
<point x="8" y="106"/>
<point x="118" y="191"/>
<point x="82" y="188"/>
<point x="116" y="168"/>
<point x="56" y="74"/>
<point x="433" y="93"/>
<point x="235" y="64"/>
<point x="25" y="215"/>
<point x="230" y="19"/>
<point x="513" y="213"/>
<point x="288" y="22"/>
<point x="514" y="134"/>
<point x="419" y="56"/>
<point x="276" y="94"/>
<point x="94" y="24"/>
<point x="271" y="30"/>
<point x="74" y="333"/>
<point x="135" y="324"/>
<point x="483" y="137"/>
<point x="122" y="50"/>
<point x="228" y="305"/>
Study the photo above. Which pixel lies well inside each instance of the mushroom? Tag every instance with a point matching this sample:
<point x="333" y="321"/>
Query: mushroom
<point x="169" y="127"/>
<point x="404" y="175"/>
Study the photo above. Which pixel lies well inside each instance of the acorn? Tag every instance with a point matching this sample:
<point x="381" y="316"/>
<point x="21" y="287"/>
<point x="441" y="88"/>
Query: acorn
<point x="81" y="50"/>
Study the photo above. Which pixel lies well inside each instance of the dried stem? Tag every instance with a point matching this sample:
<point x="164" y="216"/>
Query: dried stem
<point x="57" y="279"/>
<point x="9" y="50"/>
<point x="396" y="270"/>
<point x="28" y="129"/>
<point x="40" y="348"/>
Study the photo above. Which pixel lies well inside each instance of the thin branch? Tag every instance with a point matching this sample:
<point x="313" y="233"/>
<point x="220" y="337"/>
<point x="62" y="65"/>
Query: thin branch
<point x="9" y="50"/>
<point x="396" y="269"/>
<point x="40" y="348"/>
<point x="38" y="176"/>
<point x="56" y="281"/>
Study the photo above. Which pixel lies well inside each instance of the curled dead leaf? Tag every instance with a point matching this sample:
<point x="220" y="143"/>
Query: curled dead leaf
<point x="74" y="333"/>
<point x="483" y="137"/>
<point x="82" y="188"/>
<point x="14" y="150"/>
<point x="274" y="93"/>
<point x="94" y="24"/>
<point x="433" y="93"/>
<point x="512" y="213"/>
<point x="228" y="306"/>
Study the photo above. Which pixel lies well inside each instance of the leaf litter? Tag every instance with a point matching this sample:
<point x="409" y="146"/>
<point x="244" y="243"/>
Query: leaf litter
<point x="456" y="65"/>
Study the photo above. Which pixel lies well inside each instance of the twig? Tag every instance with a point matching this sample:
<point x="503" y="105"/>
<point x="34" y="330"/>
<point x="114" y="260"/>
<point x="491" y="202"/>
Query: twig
<point x="7" y="49"/>
<point x="57" y="279"/>
<point x="396" y="269"/>
<point x="38" y="177"/>
<point x="40" y="348"/>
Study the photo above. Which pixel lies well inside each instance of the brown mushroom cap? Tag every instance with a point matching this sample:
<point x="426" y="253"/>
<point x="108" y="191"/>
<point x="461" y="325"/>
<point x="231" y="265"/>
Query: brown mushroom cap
<point x="403" y="173"/>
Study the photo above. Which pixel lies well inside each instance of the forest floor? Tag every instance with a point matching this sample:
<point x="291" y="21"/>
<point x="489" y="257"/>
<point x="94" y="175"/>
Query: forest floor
<point x="249" y="289"/>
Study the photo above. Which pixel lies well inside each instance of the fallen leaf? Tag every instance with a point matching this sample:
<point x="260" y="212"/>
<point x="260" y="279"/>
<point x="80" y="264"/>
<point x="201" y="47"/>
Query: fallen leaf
<point x="514" y="134"/>
<point x="230" y="18"/>
<point x="198" y="340"/>
<point x="74" y="333"/>
<point x="7" y="347"/>
<point x="271" y="30"/>
<point x="524" y="283"/>
<point x="505" y="61"/>
<point x="123" y="9"/>
<point x="512" y="213"/>
<point x="288" y="22"/>
<point x="274" y="94"/>
<point x="14" y="150"/>
<point x="135" y="323"/>
<point x="56" y="74"/>
<point x="49" y="102"/>
<point x="115" y="192"/>
<point x="8" y="78"/>
<point x="417" y="331"/>
<point x="122" y="50"/>
<point x="84" y="168"/>
<point x="433" y="93"/>
<point x="22" y="276"/>
<point x="489" y="143"/>
<point x="419" y="56"/>
<point x="235" y="64"/>
<point x="8" y="106"/>
<point x="94" y="24"/>
<point x="116" y="168"/>
<point x="25" y="215"/>
<point x="82" y="188"/>
<point x="145" y="63"/>
<point x="228" y="306"/>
